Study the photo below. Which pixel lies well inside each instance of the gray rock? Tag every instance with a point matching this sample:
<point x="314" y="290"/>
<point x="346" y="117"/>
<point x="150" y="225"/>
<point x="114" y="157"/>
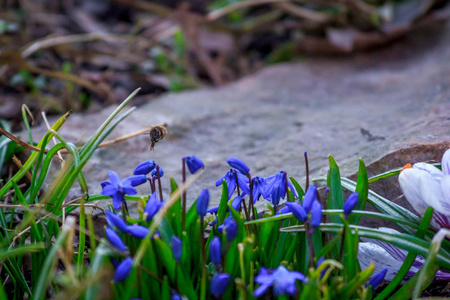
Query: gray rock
<point x="389" y="107"/>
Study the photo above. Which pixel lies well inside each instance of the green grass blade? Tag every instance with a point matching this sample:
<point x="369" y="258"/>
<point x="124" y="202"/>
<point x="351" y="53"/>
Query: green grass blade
<point x="30" y="161"/>
<point x="362" y="187"/>
<point x="335" y="198"/>
<point x="47" y="272"/>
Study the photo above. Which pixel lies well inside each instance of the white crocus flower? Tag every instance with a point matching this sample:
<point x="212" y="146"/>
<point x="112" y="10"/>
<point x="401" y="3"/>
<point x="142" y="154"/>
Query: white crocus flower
<point x="425" y="185"/>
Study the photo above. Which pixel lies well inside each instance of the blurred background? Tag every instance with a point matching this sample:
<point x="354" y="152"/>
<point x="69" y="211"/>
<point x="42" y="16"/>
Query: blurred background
<point x="86" y="54"/>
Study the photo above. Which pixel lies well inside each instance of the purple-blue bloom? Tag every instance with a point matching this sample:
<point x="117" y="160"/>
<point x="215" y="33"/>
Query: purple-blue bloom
<point x="136" y="180"/>
<point x="230" y="179"/>
<point x="114" y="239"/>
<point x="193" y="163"/>
<point x="138" y="231"/>
<point x="202" y="202"/>
<point x="378" y="278"/>
<point x="259" y="188"/>
<point x="152" y="207"/>
<point x="284" y="210"/>
<point x="236" y="203"/>
<point x="239" y="165"/>
<point x="175" y="297"/>
<point x="276" y="187"/>
<point x="219" y="284"/>
<point x="177" y="247"/>
<point x="282" y="280"/>
<point x="213" y="210"/>
<point x="123" y="270"/>
<point x="230" y="227"/>
<point x="316" y="214"/>
<point x="308" y="199"/>
<point x="350" y="203"/>
<point x="158" y="170"/>
<point x="117" y="189"/>
<point x="215" y="250"/>
<point x="144" y="167"/>
<point x="298" y="211"/>
<point x="117" y="221"/>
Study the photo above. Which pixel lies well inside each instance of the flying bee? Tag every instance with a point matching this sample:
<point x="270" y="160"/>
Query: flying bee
<point x="156" y="134"/>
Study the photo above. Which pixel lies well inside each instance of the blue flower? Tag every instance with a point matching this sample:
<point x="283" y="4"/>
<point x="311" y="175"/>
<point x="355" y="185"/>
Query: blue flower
<point x="284" y="210"/>
<point x="282" y="280"/>
<point x="175" y="297"/>
<point x="276" y="187"/>
<point x="152" y="207"/>
<point x="378" y="278"/>
<point x="117" y="189"/>
<point x="219" y="284"/>
<point x="350" y="203"/>
<point x="298" y="211"/>
<point x="138" y="231"/>
<point x="230" y="227"/>
<point x="194" y="163"/>
<point x="202" y="202"/>
<point x="144" y="167"/>
<point x="236" y="203"/>
<point x="123" y="270"/>
<point x="259" y="188"/>
<point x="213" y="210"/>
<point x="177" y="248"/>
<point x="215" y="250"/>
<point x="230" y="179"/>
<point x="114" y="239"/>
<point x="308" y="199"/>
<point x="239" y="165"/>
<point x="136" y="180"/>
<point x="316" y="214"/>
<point x="117" y="221"/>
<point x="159" y="170"/>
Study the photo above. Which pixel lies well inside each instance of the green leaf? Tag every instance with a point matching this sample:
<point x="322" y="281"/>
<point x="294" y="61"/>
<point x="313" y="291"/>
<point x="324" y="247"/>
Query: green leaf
<point x="362" y="187"/>
<point x="223" y="205"/>
<point x="298" y="188"/>
<point x="335" y="198"/>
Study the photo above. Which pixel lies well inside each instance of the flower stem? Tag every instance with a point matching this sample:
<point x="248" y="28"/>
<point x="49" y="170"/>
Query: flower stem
<point x="307" y="171"/>
<point x="310" y="244"/>
<point x="183" y="206"/>
<point x="203" y="262"/>
<point x="239" y="194"/>
<point x="250" y="200"/>
<point x="159" y="183"/>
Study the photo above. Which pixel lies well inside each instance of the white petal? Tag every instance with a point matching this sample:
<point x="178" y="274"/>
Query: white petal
<point x="446" y="162"/>
<point x="369" y="252"/>
<point x="445" y="186"/>
<point x="431" y="192"/>
<point x="432" y="170"/>
<point x="409" y="183"/>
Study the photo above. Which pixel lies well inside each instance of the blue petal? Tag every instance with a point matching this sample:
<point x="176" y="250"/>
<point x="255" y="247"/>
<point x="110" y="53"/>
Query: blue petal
<point x="138" y="231"/>
<point x="115" y="179"/>
<point x="114" y="239"/>
<point x="117" y="200"/>
<point x="144" y="167"/>
<point x="134" y="180"/>
<point x="193" y="163"/>
<point x="117" y="221"/>
<point x="123" y="270"/>
<point x="239" y="165"/>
